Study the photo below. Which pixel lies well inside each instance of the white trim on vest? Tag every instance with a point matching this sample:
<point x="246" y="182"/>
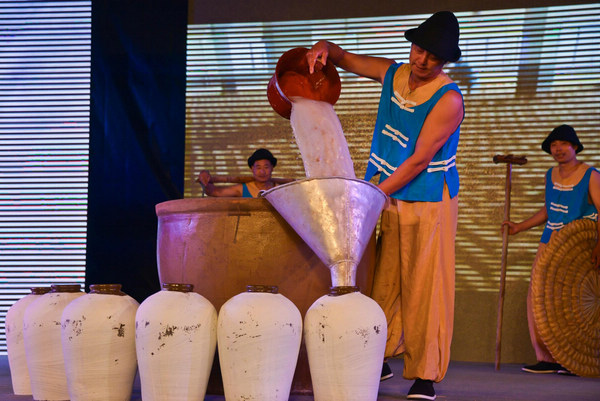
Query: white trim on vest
<point x="446" y="165"/>
<point x="403" y="103"/>
<point x="557" y="207"/>
<point x="381" y="164"/>
<point x="395" y="135"/>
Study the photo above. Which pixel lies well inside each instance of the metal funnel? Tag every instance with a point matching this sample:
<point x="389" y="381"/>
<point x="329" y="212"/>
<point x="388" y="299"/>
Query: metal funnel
<point x="335" y="216"/>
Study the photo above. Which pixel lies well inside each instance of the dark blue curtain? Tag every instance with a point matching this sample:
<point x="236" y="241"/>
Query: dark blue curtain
<point x="137" y="136"/>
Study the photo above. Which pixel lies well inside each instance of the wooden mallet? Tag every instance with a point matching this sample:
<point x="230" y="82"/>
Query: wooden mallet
<point x="509" y="160"/>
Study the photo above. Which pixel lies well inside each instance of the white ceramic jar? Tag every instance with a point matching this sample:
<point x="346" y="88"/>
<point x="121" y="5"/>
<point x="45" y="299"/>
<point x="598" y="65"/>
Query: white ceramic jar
<point x="176" y="337"/>
<point x="15" y="344"/>
<point x="43" y="348"/>
<point x="258" y="338"/>
<point x="98" y="342"/>
<point x="345" y="334"/>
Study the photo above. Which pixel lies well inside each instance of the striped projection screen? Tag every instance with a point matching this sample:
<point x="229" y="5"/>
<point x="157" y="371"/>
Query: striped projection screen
<point x="44" y="128"/>
<point x="523" y="72"/>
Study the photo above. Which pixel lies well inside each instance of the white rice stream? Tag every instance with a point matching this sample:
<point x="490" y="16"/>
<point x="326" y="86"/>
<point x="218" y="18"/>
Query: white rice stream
<point x="320" y="138"/>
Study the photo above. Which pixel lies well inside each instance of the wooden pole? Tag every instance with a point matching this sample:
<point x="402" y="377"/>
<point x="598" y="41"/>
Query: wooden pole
<point x="503" y="264"/>
<point x="509" y="160"/>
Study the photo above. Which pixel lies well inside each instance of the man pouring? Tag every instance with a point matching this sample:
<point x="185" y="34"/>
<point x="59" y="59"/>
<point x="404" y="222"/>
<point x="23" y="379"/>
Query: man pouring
<point x="414" y="150"/>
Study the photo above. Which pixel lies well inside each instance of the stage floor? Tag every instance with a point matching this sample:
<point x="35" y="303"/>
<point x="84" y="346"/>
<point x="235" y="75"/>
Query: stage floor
<point x="465" y="381"/>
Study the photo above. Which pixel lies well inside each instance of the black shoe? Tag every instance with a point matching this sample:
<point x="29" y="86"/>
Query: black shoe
<point x="421" y="390"/>
<point x="543" y="367"/>
<point x="566" y="372"/>
<point x="386" y="372"/>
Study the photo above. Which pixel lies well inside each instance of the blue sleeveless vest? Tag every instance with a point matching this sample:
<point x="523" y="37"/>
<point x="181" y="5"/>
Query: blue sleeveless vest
<point x="565" y="203"/>
<point x="245" y="192"/>
<point x="396" y="131"/>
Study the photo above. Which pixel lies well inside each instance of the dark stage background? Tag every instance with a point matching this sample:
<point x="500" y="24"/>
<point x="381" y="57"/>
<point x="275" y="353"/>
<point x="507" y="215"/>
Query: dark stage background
<point x="137" y="136"/>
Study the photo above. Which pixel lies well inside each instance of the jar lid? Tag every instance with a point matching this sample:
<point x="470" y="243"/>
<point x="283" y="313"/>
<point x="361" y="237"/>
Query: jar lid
<point x="40" y="290"/>
<point x="111" y="289"/>
<point x="272" y="289"/>
<point x="66" y="288"/>
<point x="181" y="287"/>
<point x="343" y="289"/>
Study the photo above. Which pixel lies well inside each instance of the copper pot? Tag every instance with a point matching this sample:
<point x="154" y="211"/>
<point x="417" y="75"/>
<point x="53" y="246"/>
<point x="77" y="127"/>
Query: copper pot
<point x="292" y="78"/>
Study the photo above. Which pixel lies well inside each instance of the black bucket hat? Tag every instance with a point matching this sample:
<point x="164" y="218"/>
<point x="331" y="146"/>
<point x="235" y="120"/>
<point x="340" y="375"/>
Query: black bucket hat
<point x="438" y="34"/>
<point x="562" y="133"/>
<point x="262" y="154"/>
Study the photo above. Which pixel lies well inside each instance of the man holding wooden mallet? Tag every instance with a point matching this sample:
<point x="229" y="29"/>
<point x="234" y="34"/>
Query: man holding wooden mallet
<point x="572" y="192"/>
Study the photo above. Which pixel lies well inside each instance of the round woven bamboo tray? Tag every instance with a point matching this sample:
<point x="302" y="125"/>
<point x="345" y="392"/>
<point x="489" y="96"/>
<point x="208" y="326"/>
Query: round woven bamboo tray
<point x="566" y="298"/>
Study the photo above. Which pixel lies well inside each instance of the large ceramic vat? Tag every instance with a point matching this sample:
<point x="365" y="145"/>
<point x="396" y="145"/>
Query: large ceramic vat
<point x="221" y="245"/>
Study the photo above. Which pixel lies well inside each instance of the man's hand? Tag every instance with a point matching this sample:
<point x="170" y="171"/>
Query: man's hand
<point x="513" y="228"/>
<point x="319" y="52"/>
<point x="204" y="177"/>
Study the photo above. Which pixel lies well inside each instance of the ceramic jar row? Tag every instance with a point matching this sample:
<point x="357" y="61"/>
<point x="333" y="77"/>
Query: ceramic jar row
<point x="259" y="334"/>
<point x="70" y="345"/>
<point x="65" y="344"/>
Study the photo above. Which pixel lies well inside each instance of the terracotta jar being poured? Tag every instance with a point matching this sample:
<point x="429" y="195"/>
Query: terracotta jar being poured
<point x="292" y="79"/>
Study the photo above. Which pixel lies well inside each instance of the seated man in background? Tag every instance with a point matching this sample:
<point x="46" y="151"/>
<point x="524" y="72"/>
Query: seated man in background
<point x="261" y="163"/>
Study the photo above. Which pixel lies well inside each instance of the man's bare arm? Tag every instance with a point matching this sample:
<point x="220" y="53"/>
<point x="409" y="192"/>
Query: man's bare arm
<point x="365" y="66"/>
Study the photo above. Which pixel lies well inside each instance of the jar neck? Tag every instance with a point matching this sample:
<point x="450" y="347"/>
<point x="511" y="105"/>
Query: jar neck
<point x="65" y="288"/>
<point x="109" y="289"/>
<point x="270" y="289"/>
<point x="343" y="289"/>
<point x="40" y="290"/>
<point x="179" y="287"/>
<point x="343" y="273"/>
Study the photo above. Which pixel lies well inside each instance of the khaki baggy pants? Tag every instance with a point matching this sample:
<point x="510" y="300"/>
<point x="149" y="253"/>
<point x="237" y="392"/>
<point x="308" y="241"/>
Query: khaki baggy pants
<point x="414" y="283"/>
